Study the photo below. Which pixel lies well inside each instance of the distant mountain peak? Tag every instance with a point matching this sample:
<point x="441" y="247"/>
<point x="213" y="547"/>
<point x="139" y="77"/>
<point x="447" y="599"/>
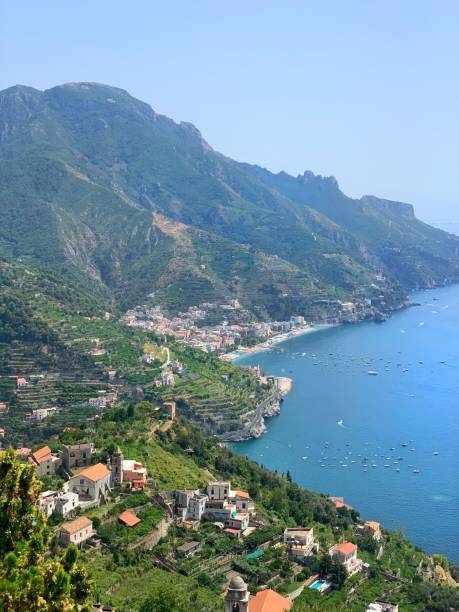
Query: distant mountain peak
<point x="310" y="177"/>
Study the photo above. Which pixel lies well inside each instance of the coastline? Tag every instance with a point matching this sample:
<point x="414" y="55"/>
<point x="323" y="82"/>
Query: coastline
<point x="272" y="342"/>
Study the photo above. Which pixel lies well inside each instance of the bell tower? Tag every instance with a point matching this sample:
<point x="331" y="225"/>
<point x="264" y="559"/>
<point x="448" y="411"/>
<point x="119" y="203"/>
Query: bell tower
<point x="116" y="466"/>
<point x="237" y="596"/>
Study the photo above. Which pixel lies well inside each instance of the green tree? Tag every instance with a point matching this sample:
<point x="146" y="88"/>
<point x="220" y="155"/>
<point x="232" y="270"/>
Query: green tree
<point x="338" y="573"/>
<point x="29" y="581"/>
<point x="166" y="598"/>
<point x="325" y="566"/>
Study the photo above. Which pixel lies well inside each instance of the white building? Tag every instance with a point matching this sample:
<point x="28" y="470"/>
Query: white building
<point x="93" y="483"/>
<point x="196" y="507"/>
<point x="239" y="521"/>
<point x="66" y="503"/>
<point x="219" y="490"/>
<point x="47" y="502"/>
<point x="299" y="541"/>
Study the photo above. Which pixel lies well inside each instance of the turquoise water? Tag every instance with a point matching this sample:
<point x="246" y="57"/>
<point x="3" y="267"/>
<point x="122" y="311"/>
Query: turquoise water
<point x="317" y="584"/>
<point x="413" y="401"/>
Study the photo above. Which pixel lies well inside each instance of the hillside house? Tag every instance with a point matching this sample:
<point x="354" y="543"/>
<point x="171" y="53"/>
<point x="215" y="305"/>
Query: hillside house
<point x="46" y="463"/>
<point x="346" y="553"/>
<point x="76" y="455"/>
<point x="196" y="507"/>
<point x="239" y="521"/>
<point x="189" y="549"/>
<point x="183" y="499"/>
<point x="3" y="409"/>
<point x="47" y="502"/>
<point x="92" y="483"/>
<point x="243" y="502"/>
<point x="21" y="383"/>
<point x="134" y="474"/>
<point x="66" y="504"/>
<point x="299" y="542"/>
<point x="219" y="490"/>
<point x="76" y="531"/>
<point x="373" y="529"/>
<point x="40" y="413"/>
<point x="129" y="519"/>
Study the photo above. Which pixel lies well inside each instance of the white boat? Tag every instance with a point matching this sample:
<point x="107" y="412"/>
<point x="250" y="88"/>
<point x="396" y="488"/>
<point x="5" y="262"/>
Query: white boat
<point x="416" y="472"/>
<point x="372" y="373"/>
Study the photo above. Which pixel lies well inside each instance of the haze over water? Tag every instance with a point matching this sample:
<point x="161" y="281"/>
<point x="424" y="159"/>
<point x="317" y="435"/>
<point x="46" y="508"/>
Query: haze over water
<point x="414" y="400"/>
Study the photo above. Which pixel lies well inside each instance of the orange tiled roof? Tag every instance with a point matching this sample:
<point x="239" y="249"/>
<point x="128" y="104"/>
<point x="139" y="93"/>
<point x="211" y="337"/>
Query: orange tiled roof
<point x="347" y="548"/>
<point x="269" y="601"/>
<point x="242" y="494"/>
<point x="42" y="454"/>
<point x="80" y="523"/>
<point x="373" y="525"/>
<point x="95" y="472"/>
<point x="129" y="518"/>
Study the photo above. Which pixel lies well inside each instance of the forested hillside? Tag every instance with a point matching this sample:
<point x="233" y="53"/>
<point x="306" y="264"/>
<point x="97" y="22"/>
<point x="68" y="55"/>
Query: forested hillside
<point x="126" y="202"/>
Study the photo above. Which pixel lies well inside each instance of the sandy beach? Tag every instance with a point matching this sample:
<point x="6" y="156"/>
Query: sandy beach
<point x="274" y="341"/>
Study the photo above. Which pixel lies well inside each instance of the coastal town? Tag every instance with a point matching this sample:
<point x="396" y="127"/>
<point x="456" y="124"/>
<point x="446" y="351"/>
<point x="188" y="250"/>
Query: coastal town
<point x="230" y="330"/>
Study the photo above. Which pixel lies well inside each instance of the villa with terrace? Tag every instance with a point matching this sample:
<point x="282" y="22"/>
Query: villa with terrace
<point x="299" y="541"/>
<point x="346" y="553"/>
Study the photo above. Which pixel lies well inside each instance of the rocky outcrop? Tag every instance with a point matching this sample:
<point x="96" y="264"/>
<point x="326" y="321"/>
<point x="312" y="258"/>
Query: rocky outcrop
<point x="256" y="427"/>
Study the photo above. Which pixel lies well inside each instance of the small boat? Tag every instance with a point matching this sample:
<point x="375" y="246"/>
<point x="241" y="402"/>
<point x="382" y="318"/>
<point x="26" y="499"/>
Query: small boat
<point x="416" y="472"/>
<point x="397" y="470"/>
<point x="436" y="453"/>
<point x="372" y="373"/>
<point x="374" y="465"/>
<point x="386" y="465"/>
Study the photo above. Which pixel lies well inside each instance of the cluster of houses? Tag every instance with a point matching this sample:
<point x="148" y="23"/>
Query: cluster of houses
<point x="103" y="400"/>
<point x="185" y="327"/>
<point x="230" y="510"/>
<point x="87" y="484"/>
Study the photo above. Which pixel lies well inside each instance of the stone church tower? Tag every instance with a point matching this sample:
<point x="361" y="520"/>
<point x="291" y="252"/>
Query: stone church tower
<point x="237" y="596"/>
<point x="116" y="466"/>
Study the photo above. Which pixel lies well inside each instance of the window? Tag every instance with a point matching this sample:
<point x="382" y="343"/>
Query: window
<point x="81" y="481"/>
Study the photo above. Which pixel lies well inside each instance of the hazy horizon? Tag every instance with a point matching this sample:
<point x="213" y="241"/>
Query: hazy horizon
<point x="357" y="91"/>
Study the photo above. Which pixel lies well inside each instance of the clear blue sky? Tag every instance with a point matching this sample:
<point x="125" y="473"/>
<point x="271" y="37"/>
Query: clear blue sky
<point x="365" y="90"/>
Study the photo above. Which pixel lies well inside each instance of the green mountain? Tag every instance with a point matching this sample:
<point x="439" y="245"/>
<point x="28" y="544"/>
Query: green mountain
<point x="98" y="187"/>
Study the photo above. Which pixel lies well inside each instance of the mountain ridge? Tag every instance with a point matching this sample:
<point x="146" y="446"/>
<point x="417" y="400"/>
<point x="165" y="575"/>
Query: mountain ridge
<point x="88" y="166"/>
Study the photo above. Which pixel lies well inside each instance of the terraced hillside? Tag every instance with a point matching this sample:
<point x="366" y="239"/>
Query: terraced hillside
<point x="69" y="356"/>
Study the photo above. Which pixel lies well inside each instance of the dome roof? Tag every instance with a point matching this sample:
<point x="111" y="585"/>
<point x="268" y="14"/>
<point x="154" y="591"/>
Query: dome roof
<point x="237" y="584"/>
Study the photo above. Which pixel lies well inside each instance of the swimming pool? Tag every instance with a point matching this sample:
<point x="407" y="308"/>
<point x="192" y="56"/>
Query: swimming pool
<point x="317" y="585"/>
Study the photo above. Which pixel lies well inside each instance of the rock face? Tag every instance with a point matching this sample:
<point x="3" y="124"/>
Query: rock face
<point x="256" y="427"/>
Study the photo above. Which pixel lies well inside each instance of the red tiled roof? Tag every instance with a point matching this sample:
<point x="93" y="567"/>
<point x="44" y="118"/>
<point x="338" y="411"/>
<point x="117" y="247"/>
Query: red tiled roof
<point x="42" y="454"/>
<point x="347" y="548"/>
<point x="129" y="518"/>
<point x="269" y="601"/>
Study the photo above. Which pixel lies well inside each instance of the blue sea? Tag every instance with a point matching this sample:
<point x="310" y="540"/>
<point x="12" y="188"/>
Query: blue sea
<point x="338" y="418"/>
